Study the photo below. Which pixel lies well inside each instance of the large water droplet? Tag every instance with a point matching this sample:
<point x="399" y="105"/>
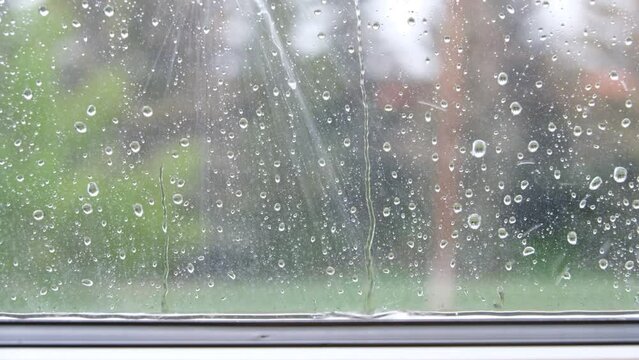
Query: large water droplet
<point x="502" y="78"/>
<point x="387" y="146"/>
<point x="528" y="250"/>
<point x="595" y="183"/>
<point x="533" y="146"/>
<point x="134" y="146"/>
<point x="620" y="174"/>
<point x="92" y="189"/>
<point x="80" y="127"/>
<point x="479" y="148"/>
<point x="138" y="210"/>
<point x="474" y="221"/>
<point x="108" y="10"/>
<point x="603" y="264"/>
<point x="87" y="282"/>
<point x="515" y="108"/>
<point x="91" y="110"/>
<point x="243" y="123"/>
<point x="330" y="270"/>
<point x="572" y="238"/>
<point x="147" y="111"/>
<point x="43" y="11"/>
<point x="27" y="94"/>
<point x="177" y="199"/>
<point x="38" y="215"/>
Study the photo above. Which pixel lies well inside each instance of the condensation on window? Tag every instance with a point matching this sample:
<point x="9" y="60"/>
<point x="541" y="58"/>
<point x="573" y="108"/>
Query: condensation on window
<point x="324" y="156"/>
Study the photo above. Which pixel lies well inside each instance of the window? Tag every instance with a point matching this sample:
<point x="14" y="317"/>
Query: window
<point x="318" y="157"/>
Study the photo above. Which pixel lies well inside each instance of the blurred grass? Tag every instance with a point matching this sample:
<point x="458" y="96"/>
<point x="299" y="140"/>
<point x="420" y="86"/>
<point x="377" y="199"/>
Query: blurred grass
<point x="591" y="292"/>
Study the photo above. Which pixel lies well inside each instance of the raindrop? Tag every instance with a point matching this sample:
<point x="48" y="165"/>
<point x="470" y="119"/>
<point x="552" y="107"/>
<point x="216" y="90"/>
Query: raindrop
<point x="595" y="183"/>
<point x="87" y="208"/>
<point x="629" y="265"/>
<point x="190" y="268"/>
<point x="614" y="75"/>
<point x="80" y="127"/>
<point x="386" y="146"/>
<point x="138" y="210"/>
<point x="620" y="174"/>
<point x="528" y="250"/>
<point x="44" y="11"/>
<point x="184" y="142"/>
<point x="572" y="238"/>
<point x="135" y="146"/>
<point x="27" y="94"/>
<point x="326" y="95"/>
<point x="177" y="199"/>
<point x="533" y="146"/>
<point x="625" y="122"/>
<point x="347" y="142"/>
<point x="502" y="233"/>
<point x="91" y="110"/>
<point x="474" y="221"/>
<point x="411" y="21"/>
<point x="603" y="264"/>
<point x="330" y="270"/>
<point x="147" y="111"/>
<point x="243" y="123"/>
<point x="108" y="10"/>
<point x="92" y="189"/>
<point x="38" y="215"/>
<point x="281" y="264"/>
<point x="502" y="78"/>
<point x="479" y="148"/>
<point x="515" y="108"/>
<point x="87" y="282"/>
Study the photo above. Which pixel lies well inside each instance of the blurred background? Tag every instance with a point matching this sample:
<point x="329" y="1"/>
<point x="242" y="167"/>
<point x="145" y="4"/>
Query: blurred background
<point x="294" y="156"/>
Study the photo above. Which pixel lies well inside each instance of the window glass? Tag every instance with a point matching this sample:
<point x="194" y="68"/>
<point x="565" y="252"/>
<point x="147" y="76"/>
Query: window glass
<point x="263" y="156"/>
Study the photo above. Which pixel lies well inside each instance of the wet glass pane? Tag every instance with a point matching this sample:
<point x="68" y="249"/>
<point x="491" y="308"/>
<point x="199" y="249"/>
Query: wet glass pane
<point x="289" y="156"/>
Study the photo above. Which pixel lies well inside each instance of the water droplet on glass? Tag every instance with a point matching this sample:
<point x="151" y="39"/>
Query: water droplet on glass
<point x="184" y="142"/>
<point x="603" y="264"/>
<point x="515" y="108"/>
<point x="38" y="215"/>
<point x="572" y="238"/>
<point x="190" y="268"/>
<point x="474" y="221"/>
<point x="87" y="208"/>
<point x="80" y="127"/>
<point x="27" y="94"/>
<point x="533" y="146"/>
<point x="147" y="111"/>
<point x="326" y="95"/>
<point x="625" y="122"/>
<point x="43" y="11"/>
<point x="614" y="75"/>
<point x="108" y="10"/>
<point x="510" y="9"/>
<point x="620" y="174"/>
<point x="91" y="110"/>
<point x="502" y="78"/>
<point x="330" y="270"/>
<point x="629" y="265"/>
<point x="347" y="142"/>
<point x="387" y="146"/>
<point x="87" y="282"/>
<point x="502" y="233"/>
<point x="92" y="189"/>
<point x="138" y="210"/>
<point x="243" y="123"/>
<point x="388" y="107"/>
<point x="528" y="250"/>
<point x="411" y="21"/>
<point x="177" y="199"/>
<point x="134" y="146"/>
<point x="595" y="183"/>
<point x="281" y="264"/>
<point x="479" y="148"/>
